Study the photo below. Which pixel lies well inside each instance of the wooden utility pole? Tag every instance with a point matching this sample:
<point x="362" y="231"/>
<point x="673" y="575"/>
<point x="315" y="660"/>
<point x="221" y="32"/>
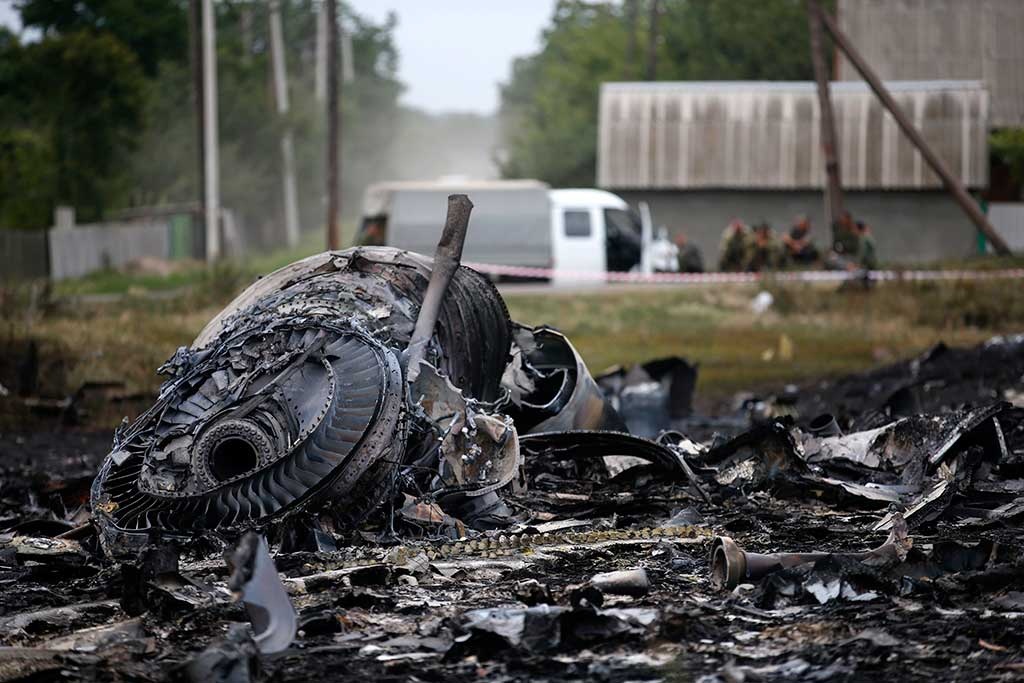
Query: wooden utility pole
<point x="952" y="183"/>
<point x="348" y="70"/>
<point x="195" y="45"/>
<point x="652" y="40"/>
<point x="631" y="20"/>
<point x="245" y="27"/>
<point x="291" y="204"/>
<point x="320" y="73"/>
<point x="833" y="180"/>
<point x="333" y="128"/>
<point x="211" y="160"/>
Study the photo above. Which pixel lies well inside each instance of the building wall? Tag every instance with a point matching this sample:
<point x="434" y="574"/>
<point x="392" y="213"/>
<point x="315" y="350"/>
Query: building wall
<point x="929" y="39"/>
<point x="908" y="226"/>
<point x="1008" y="220"/>
<point x="766" y="135"/>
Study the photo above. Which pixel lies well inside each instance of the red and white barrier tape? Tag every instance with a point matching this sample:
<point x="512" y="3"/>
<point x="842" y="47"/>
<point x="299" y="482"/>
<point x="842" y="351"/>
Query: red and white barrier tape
<point x="717" y="277"/>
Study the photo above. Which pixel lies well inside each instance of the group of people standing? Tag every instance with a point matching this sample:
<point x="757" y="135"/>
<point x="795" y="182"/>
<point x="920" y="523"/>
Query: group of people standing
<point x="752" y="249"/>
<point x="745" y="249"/>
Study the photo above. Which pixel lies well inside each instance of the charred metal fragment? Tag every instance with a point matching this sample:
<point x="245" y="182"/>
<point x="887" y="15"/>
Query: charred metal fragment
<point x="632" y="582"/>
<point x="825" y="425"/>
<point x="551" y="388"/>
<point x="254" y="578"/>
<point x="152" y="565"/>
<point x="731" y="565"/>
<point x="652" y="397"/>
<point x="232" y="659"/>
<point x="598" y="444"/>
<point x="390" y="596"/>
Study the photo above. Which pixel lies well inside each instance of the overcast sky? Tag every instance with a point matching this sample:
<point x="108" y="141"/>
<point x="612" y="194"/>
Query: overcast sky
<point x="8" y="17"/>
<point x="453" y="53"/>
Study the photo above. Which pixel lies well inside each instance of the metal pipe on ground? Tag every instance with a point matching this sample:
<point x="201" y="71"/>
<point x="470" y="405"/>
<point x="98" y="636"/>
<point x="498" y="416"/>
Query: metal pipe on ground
<point x="731" y="565"/>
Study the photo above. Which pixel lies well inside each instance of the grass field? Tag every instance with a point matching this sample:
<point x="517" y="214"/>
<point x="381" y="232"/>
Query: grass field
<point x="811" y="331"/>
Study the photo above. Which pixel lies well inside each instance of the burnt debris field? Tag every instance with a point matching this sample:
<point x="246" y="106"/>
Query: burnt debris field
<point x="363" y="467"/>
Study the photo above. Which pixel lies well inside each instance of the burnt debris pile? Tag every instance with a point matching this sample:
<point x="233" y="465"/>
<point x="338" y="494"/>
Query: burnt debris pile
<point x="363" y="467"/>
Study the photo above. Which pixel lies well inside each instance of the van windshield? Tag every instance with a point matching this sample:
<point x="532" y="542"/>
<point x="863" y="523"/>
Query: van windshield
<point x="623" y="242"/>
<point x="622" y="220"/>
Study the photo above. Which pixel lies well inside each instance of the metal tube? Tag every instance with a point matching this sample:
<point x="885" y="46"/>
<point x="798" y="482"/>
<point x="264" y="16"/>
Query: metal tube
<point x="824" y="425"/>
<point x="731" y="565"/>
<point x="447" y="259"/>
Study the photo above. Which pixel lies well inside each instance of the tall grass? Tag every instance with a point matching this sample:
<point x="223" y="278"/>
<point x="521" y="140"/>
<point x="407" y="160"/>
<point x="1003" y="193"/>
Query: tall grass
<point x="828" y="331"/>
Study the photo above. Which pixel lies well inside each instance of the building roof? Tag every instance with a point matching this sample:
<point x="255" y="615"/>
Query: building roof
<point x="766" y="135"/>
<point x="788" y="86"/>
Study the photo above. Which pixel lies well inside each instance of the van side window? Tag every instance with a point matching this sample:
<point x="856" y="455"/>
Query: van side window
<point x="577" y="223"/>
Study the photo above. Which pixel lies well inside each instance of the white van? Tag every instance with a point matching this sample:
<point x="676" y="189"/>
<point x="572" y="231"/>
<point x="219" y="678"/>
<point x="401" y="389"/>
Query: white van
<point x="514" y="223"/>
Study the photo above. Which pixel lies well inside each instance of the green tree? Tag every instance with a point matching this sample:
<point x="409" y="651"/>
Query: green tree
<point x="100" y="112"/>
<point x="721" y="40"/>
<point x="165" y="165"/>
<point x="549" y="104"/>
<point x="26" y="156"/>
<point x="71" y="111"/>
<point x="91" y="102"/>
<point x="26" y="178"/>
<point x="1007" y="145"/>
<point x="155" y="30"/>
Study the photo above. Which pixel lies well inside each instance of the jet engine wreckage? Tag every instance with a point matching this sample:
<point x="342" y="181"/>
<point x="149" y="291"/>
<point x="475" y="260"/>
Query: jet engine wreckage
<point x="449" y="495"/>
<point x="325" y="388"/>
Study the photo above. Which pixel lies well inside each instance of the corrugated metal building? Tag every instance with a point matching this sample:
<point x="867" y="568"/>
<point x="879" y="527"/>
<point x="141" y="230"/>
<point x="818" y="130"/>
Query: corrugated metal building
<point x="929" y="39"/>
<point x="765" y="135"/>
<point x="701" y="153"/>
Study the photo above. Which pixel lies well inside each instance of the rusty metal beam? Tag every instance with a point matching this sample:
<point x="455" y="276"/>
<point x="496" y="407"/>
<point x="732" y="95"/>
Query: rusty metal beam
<point x="951" y="182"/>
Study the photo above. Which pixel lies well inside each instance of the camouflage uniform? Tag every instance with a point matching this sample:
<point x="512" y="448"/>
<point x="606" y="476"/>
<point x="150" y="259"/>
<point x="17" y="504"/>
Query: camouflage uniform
<point x="847" y="242"/>
<point x="766" y="254"/>
<point x="867" y="254"/>
<point x="734" y="249"/>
